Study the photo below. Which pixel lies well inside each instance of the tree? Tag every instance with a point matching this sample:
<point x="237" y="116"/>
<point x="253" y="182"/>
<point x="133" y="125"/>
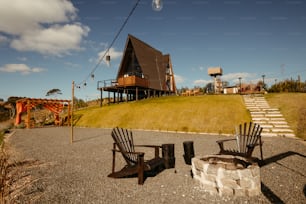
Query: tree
<point x="53" y="92"/>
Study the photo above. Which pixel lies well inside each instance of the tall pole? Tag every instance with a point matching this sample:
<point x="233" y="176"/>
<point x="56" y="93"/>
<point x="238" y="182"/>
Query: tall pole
<point x="72" y="107"/>
<point x="240" y="84"/>
<point x="263" y="81"/>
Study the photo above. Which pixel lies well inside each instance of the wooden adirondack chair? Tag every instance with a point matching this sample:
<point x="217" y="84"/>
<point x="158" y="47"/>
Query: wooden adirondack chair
<point x="136" y="165"/>
<point x="246" y="137"/>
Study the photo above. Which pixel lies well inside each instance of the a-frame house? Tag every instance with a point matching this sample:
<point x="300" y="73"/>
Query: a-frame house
<point x="143" y="72"/>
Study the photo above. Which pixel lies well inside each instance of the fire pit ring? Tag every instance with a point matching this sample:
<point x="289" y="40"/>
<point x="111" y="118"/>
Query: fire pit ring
<point x="227" y="175"/>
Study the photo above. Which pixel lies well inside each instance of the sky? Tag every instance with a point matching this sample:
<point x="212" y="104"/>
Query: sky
<point x="47" y="45"/>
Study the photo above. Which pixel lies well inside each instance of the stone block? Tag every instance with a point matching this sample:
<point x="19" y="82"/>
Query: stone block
<point x="212" y="169"/>
<point x="231" y="174"/>
<point x="253" y="192"/>
<point x="196" y="163"/>
<point x="208" y="188"/>
<point x="209" y="177"/>
<point x="208" y="183"/>
<point x="196" y="171"/>
<point x="255" y="171"/>
<point x="245" y="183"/>
<point x="226" y="191"/>
<point x="256" y="182"/>
<point x="244" y="173"/>
<point x="228" y="183"/>
<point x="240" y="192"/>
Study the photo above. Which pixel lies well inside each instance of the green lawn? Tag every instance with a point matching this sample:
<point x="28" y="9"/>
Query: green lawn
<point x="293" y="108"/>
<point x="207" y="113"/>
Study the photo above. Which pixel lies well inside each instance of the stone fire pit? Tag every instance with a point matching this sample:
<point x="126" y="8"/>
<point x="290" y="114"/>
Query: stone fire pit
<point x="227" y="175"/>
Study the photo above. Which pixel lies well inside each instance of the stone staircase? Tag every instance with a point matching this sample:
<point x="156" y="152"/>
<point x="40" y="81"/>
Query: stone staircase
<point x="270" y="119"/>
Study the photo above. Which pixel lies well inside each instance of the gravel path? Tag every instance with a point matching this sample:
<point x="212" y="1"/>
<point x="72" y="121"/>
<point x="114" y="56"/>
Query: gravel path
<point x="55" y="171"/>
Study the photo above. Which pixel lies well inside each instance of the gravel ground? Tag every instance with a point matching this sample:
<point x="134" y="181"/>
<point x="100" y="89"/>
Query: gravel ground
<point x="51" y="170"/>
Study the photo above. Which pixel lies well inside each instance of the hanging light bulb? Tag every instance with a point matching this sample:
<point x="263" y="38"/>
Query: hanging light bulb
<point x="107" y="58"/>
<point x="92" y="76"/>
<point x="157" y="5"/>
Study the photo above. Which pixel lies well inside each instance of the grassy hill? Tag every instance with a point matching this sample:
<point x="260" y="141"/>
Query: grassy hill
<point x="293" y="108"/>
<point x="207" y="113"/>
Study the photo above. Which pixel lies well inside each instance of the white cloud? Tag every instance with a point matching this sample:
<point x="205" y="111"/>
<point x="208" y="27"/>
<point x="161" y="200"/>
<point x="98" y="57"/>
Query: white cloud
<point x="233" y="77"/>
<point x="21" y="68"/>
<point x="3" y="39"/>
<point x="201" y="82"/>
<point x="179" y="79"/>
<point x="56" y="40"/>
<point x="46" y="27"/>
<point x="22" y="59"/>
<point x="17" y="16"/>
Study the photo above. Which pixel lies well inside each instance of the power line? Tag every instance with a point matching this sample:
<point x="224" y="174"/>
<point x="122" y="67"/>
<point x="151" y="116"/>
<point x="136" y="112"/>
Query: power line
<point x="107" y="50"/>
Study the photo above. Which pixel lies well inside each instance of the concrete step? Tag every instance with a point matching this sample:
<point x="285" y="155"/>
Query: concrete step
<point x="270" y="119"/>
<point x="260" y="119"/>
<point x="266" y="126"/>
<point x="281" y="130"/>
<point x="281" y="126"/>
<point x="273" y="115"/>
<point x="267" y="134"/>
<point x="278" y="122"/>
<point x="278" y="119"/>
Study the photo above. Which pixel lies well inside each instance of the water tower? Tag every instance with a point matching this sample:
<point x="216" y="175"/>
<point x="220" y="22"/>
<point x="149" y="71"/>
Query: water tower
<point x="215" y="72"/>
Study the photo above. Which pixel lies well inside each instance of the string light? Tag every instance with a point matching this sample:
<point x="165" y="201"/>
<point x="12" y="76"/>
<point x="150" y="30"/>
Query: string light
<point x="107" y="50"/>
<point x="157" y="5"/>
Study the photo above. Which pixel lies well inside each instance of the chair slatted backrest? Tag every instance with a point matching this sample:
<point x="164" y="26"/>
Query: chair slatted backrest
<point x="124" y="140"/>
<point x="247" y="135"/>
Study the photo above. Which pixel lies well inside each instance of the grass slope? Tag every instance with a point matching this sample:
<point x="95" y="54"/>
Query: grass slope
<point x="208" y="113"/>
<point x="293" y="108"/>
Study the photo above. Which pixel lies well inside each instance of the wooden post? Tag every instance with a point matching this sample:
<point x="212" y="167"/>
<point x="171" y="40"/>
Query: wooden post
<point x="72" y="107"/>
<point x="136" y="93"/>
<point x="101" y="97"/>
<point x="127" y="95"/>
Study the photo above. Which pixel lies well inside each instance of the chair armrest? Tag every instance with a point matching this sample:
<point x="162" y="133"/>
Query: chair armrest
<point x="139" y="153"/>
<point x="220" y="143"/>
<point x="152" y="146"/>
<point x="226" y="140"/>
<point x="156" y="147"/>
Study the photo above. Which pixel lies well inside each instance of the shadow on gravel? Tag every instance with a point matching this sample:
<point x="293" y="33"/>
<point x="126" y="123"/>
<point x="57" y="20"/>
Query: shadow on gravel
<point x="277" y="157"/>
<point x="269" y="194"/>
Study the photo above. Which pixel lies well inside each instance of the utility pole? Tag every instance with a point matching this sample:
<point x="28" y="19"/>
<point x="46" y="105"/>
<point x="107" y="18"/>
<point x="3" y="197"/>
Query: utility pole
<point x="240" y="84"/>
<point x="263" y="81"/>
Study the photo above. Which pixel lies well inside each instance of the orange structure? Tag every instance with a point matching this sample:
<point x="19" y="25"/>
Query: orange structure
<point x="54" y="105"/>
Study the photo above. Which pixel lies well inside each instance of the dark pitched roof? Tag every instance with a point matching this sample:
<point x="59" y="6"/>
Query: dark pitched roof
<point x="152" y="62"/>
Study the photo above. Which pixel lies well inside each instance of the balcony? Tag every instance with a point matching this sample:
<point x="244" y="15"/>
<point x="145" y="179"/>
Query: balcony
<point x="133" y="80"/>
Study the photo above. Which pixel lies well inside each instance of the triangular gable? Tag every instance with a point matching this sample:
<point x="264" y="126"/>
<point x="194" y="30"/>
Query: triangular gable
<point x="152" y="63"/>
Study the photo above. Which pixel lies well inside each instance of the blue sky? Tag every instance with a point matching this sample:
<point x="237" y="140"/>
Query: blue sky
<point x="49" y="44"/>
